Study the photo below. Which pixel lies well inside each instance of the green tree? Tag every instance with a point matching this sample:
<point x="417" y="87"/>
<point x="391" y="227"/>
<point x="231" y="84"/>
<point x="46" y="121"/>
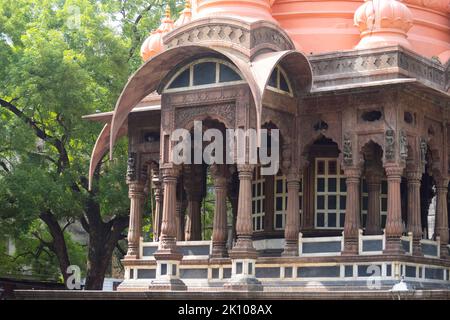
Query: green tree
<point x="60" y="60"/>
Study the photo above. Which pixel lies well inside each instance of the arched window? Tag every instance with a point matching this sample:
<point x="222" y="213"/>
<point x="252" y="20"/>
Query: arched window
<point x="279" y="82"/>
<point x="204" y="73"/>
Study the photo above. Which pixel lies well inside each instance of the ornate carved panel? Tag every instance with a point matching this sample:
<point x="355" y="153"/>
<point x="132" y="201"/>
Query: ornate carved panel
<point x="221" y="112"/>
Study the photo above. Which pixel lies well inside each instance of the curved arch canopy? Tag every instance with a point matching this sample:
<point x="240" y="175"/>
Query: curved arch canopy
<point x="147" y="79"/>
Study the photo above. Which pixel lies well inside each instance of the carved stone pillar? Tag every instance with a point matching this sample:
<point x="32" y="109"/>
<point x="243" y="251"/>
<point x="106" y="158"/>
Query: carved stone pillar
<point x="193" y="187"/>
<point x="220" y="230"/>
<point x="168" y="256"/>
<point x="414" y="220"/>
<point x="158" y="208"/>
<point x="352" y="210"/>
<point x="292" y="227"/>
<point x="441" y="225"/>
<point x="373" y="222"/>
<point x="243" y="254"/>
<point x="394" y="225"/>
<point x="137" y="196"/>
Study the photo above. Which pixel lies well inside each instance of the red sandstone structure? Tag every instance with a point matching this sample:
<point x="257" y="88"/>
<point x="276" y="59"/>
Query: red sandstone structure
<point x="360" y="92"/>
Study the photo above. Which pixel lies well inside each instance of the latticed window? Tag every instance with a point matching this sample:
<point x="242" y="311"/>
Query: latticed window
<point x="365" y="202"/>
<point x="331" y="193"/>
<point x="258" y="200"/>
<point x="280" y="201"/>
<point x="204" y="73"/>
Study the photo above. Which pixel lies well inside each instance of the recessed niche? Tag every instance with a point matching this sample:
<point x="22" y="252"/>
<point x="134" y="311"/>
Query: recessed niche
<point x="321" y="125"/>
<point x="151" y="137"/>
<point x="371" y="116"/>
<point x="408" y="117"/>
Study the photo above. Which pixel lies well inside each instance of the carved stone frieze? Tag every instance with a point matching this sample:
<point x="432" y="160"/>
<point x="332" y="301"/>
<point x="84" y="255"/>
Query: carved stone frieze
<point x="225" y="112"/>
<point x="202" y="97"/>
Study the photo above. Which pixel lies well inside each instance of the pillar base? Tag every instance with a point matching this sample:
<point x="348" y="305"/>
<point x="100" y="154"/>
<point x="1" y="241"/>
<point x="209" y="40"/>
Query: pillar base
<point x="167" y="285"/>
<point x="350" y="247"/>
<point x="290" y="249"/>
<point x="393" y="246"/>
<point x="219" y="251"/>
<point x="167" y="276"/>
<point x="243" y="276"/>
<point x="243" y="284"/>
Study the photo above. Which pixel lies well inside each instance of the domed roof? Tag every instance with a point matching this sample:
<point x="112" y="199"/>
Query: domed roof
<point x="154" y="43"/>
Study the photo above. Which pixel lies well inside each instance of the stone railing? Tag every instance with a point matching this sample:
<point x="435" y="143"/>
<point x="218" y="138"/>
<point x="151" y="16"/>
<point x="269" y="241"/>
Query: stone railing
<point x="323" y="246"/>
<point x="407" y="243"/>
<point x="269" y="244"/>
<point x="431" y="248"/>
<point x="189" y="249"/>
<point x="371" y="244"/>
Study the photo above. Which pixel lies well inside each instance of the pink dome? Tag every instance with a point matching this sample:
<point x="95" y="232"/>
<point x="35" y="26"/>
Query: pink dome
<point x="382" y="23"/>
<point x="248" y="10"/>
<point x="444" y="57"/>
<point x="154" y="43"/>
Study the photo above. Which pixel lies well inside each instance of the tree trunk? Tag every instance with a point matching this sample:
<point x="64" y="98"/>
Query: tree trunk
<point x="58" y="245"/>
<point x="103" y="238"/>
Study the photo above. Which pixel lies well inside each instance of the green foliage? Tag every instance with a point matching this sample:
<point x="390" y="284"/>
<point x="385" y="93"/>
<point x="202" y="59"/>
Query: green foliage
<point x="59" y="60"/>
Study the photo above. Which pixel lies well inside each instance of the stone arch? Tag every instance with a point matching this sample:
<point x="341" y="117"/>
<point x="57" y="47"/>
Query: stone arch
<point x="188" y="123"/>
<point x="364" y="141"/>
<point x="316" y="137"/>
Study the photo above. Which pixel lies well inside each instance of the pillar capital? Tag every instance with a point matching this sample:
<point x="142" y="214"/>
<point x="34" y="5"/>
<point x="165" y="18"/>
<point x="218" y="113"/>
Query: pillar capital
<point x="393" y="171"/>
<point x="413" y="176"/>
<point x="136" y="189"/>
<point x="352" y="174"/>
<point x="170" y="173"/>
<point x="442" y="184"/>
<point x="245" y="170"/>
<point x="293" y="175"/>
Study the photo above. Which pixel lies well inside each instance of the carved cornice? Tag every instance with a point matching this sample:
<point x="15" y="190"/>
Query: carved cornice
<point x="247" y="38"/>
<point x="364" y="66"/>
<point x="202" y="97"/>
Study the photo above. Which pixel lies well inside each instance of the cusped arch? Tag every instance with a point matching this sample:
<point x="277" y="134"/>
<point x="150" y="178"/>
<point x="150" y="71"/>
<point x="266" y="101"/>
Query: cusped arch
<point x="188" y="124"/>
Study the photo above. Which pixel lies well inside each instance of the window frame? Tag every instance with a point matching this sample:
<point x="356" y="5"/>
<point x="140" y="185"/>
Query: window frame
<point x="257" y="180"/>
<point x="191" y="85"/>
<point x="338" y="193"/>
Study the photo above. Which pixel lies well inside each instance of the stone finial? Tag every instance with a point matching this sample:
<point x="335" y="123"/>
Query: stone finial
<point x="383" y="23"/>
<point x="153" y="45"/>
<point x="185" y="16"/>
